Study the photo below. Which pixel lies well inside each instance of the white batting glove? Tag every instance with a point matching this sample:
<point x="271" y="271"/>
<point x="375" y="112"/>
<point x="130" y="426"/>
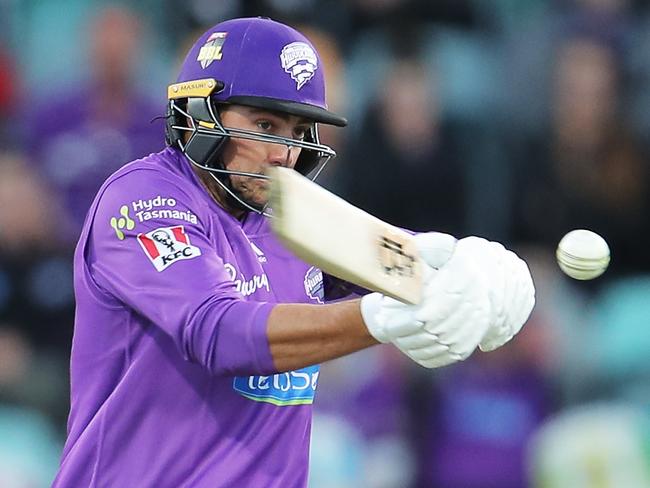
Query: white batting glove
<point x="452" y="317"/>
<point x="511" y="289"/>
<point x="437" y="248"/>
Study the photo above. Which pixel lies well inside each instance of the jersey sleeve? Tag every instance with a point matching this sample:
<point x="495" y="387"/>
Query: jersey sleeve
<point x="163" y="266"/>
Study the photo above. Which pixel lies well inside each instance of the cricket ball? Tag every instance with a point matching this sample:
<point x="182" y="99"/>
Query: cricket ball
<point x="582" y="254"/>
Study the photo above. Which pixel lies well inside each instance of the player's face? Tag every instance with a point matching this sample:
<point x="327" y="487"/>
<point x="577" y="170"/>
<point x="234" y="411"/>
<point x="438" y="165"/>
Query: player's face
<point x="255" y="156"/>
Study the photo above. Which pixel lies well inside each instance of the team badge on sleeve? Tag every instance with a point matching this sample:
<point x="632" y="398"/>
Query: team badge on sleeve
<point x="314" y="286"/>
<point x="166" y="245"/>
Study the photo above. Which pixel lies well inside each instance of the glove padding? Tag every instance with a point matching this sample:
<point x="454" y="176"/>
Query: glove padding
<point x="435" y="249"/>
<point x="452" y="317"/>
<point x="511" y="289"/>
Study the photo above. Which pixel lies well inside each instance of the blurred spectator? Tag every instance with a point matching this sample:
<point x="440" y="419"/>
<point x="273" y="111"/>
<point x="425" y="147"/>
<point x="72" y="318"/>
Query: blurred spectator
<point x="614" y="352"/>
<point x="7" y="88"/>
<point x="333" y="66"/>
<point x="367" y="393"/>
<point x="601" y="445"/>
<point x="405" y="164"/>
<point x="330" y="16"/>
<point x="29" y="450"/>
<point x="336" y="458"/>
<point x="477" y="417"/>
<point x="587" y="170"/>
<point x="80" y="137"/>
<point x="385" y="13"/>
<point x="31" y="378"/>
<point x="29" y="445"/>
<point x="35" y="271"/>
<point x="560" y="325"/>
<point x="7" y="96"/>
<point x="190" y="15"/>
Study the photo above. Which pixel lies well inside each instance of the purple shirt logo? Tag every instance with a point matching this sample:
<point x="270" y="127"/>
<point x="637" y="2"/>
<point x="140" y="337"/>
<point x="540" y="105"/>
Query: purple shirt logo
<point x="281" y="389"/>
<point x="314" y="287"/>
<point x="166" y="245"/>
<point x="247" y="286"/>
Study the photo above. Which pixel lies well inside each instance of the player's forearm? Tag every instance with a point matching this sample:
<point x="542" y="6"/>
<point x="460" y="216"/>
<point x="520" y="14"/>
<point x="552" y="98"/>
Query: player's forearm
<point x="302" y="335"/>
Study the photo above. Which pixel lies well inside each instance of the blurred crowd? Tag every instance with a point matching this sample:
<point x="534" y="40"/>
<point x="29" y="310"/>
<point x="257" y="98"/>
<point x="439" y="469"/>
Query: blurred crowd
<point x="516" y="120"/>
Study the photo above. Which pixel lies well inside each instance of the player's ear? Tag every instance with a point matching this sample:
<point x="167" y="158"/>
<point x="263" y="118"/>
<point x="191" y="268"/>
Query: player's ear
<point x="186" y="134"/>
<point x="309" y="159"/>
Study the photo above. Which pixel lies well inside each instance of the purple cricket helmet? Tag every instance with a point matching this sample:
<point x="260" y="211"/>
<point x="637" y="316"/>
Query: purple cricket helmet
<point x="262" y="63"/>
<point x="254" y="62"/>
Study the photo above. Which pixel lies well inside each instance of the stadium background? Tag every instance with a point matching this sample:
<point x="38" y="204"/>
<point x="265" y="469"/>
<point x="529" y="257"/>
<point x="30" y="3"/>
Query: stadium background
<point x="517" y="120"/>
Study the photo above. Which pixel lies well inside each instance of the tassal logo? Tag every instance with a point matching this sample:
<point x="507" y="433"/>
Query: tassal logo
<point x="282" y="389"/>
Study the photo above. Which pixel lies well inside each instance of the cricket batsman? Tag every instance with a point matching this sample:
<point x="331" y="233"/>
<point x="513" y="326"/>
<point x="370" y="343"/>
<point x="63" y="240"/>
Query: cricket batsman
<point x="198" y="337"/>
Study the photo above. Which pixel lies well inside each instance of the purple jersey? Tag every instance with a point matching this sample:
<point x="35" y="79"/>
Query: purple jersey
<point x="173" y="382"/>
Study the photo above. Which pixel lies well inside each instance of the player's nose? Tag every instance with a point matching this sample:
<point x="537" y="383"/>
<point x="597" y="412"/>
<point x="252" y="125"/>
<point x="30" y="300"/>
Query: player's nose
<point x="280" y="155"/>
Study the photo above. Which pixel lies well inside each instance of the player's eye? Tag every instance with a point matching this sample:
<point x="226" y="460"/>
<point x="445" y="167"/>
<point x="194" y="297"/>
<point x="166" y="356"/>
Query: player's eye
<point x="264" y="125"/>
<point x="300" y="133"/>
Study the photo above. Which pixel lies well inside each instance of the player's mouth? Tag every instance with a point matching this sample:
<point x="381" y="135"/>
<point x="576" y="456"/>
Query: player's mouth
<point x="263" y="185"/>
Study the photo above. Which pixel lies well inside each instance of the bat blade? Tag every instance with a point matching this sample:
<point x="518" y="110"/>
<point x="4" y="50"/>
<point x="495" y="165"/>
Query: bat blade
<point x="343" y="240"/>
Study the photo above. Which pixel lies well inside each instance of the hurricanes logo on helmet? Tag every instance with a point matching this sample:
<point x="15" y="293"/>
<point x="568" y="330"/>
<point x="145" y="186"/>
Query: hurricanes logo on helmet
<point x="300" y="61"/>
<point x="211" y="50"/>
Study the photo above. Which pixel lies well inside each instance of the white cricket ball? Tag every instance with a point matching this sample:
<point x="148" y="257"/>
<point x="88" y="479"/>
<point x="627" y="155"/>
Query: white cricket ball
<point x="582" y="254"/>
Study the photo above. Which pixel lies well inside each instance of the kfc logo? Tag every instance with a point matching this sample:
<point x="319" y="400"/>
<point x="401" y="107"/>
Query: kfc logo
<point x="166" y="245"/>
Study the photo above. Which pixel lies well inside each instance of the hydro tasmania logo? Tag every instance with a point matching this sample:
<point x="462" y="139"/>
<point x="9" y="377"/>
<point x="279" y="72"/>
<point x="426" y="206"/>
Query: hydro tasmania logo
<point x="150" y="209"/>
<point x="124" y="222"/>
<point x="166" y="245"/>
<point x="147" y="210"/>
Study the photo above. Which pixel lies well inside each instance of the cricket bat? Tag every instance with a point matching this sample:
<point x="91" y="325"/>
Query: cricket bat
<point x="343" y="240"/>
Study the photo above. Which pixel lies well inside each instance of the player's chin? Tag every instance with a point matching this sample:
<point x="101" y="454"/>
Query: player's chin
<point x="258" y="197"/>
<point x="262" y="199"/>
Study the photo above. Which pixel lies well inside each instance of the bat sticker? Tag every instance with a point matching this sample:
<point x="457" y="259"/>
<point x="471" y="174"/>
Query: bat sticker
<point x="394" y="259"/>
